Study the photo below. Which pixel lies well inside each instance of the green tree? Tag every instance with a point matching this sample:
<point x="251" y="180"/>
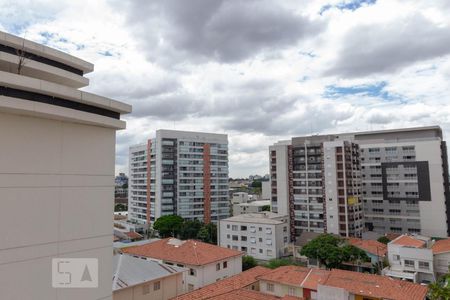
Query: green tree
<point x="383" y="239"/>
<point x="168" y="226"/>
<point x="331" y="251"/>
<point x="120" y="207"/>
<point x="208" y="233"/>
<point x="189" y="229"/>
<point x="278" y="262"/>
<point x="266" y="208"/>
<point x="248" y="262"/>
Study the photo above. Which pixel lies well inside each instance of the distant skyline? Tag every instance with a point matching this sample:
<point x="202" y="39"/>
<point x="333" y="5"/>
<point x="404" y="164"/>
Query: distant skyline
<point x="260" y="71"/>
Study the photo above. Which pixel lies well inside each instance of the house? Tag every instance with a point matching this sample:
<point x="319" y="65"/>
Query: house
<point x="206" y="263"/>
<point x="441" y="256"/>
<point x="375" y="250"/>
<point x="245" y="280"/>
<point x="293" y="282"/>
<point x="262" y="235"/>
<point x="134" y="279"/>
<point x="411" y="258"/>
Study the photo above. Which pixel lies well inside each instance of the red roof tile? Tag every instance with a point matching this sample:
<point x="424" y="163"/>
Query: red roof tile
<point x="133" y="235"/>
<point x="226" y="285"/>
<point x="376" y="286"/>
<point x="408" y="241"/>
<point x="371" y="246"/>
<point x="245" y="294"/>
<point x="188" y="252"/>
<point x="441" y="246"/>
<point x="315" y="277"/>
<point x="291" y="275"/>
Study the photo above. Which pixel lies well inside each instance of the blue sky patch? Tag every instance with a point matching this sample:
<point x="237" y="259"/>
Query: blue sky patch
<point x="347" y="5"/>
<point x="371" y="90"/>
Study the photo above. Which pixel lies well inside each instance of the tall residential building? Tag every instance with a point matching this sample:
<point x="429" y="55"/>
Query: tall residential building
<point x="187" y="176"/>
<point x="381" y="181"/>
<point x="57" y="158"/>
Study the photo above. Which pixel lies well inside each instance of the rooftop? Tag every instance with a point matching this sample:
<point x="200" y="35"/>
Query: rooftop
<point x="441" y="246"/>
<point x="262" y="217"/>
<point x="375" y="285"/>
<point x="291" y="275"/>
<point x="255" y="203"/>
<point x="409" y="241"/>
<point x="226" y="285"/>
<point x="370" y="246"/>
<point x="246" y="294"/>
<point x="188" y="252"/>
<point x="129" y="271"/>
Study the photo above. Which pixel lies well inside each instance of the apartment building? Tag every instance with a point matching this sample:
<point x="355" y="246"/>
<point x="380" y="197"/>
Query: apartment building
<point x="57" y="160"/>
<point x="263" y="235"/>
<point x="380" y="181"/>
<point x="206" y="263"/>
<point x="251" y="207"/>
<point x="179" y="172"/>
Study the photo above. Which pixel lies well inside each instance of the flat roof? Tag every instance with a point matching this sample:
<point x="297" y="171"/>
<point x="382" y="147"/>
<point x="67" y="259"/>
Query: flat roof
<point x="262" y="217"/>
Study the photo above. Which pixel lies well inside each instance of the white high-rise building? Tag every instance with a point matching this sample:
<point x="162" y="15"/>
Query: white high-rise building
<point x="57" y="157"/>
<point x="187" y="176"/>
<point x="381" y="181"/>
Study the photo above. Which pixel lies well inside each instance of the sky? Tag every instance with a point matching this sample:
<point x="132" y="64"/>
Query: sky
<point x="259" y="71"/>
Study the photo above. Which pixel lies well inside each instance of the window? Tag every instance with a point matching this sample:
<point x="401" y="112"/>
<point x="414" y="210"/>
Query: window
<point x="285" y="229"/>
<point x="424" y="265"/>
<point x="145" y="289"/>
<point x="192" y="272"/>
<point x="243" y="228"/>
<point x="157" y="285"/>
<point x="268" y="242"/>
<point x="228" y="226"/>
<point x="260" y="240"/>
<point x="228" y="236"/>
<point x="285" y="239"/>
<point x="260" y="228"/>
<point x="217" y="267"/>
<point x="190" y="287"/>
<point x="291" y="291"/>
<point x="234" y="227"/>
<point x="225" y="264"/>
<point x="270" y="287"/>
<point x="235" y="238"/>
<point x="243" y="238"/>
<point x="253" y="250"/>
<point x="260" y="250"/>
<point x="396" y="257"/>
<point x="253" y="240"/>
<point x="268" y="230"/>
<point x="269" y="252"/>
<point x="409" y="263"/>
<point x="252" y="229"/>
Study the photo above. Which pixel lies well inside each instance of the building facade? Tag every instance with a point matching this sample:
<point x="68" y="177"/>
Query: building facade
<point x="263" y="235"/>
<point x="57" y="160"/>
<point x="380" y="181"/>
<point x="251" y="207"/>
<point x="187" y="176"/>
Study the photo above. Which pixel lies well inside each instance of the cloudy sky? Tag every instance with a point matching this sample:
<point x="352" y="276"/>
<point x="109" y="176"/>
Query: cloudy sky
<point x="259" y="71"/>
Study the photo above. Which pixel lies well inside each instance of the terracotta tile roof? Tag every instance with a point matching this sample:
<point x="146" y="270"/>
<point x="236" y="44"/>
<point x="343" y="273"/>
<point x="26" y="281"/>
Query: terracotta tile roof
<point x="315" y="277"/>
<point x="376" y="286"/>
<point x="392" y="236"/>
<point x="133" y="235"/>
<point x="291" y="275"/>
<point x="188" y="252"/>
<point x="408" y="241"/>
<point x="371" y="246"/>
<point x="245" y="294"/>
<point x="441" y="246"/>
<point x="226" y="285"/>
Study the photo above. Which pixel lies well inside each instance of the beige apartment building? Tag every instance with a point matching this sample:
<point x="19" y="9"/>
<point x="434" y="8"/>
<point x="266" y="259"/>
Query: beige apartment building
<point x="57" y="157"/>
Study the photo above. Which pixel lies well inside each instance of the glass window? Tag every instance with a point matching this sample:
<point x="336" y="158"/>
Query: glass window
<point x="424" y="265"/>
<point x="270" y="287"/>
<point x="192" y="272"/>
<point x="156" y="285"/>
<point x="225" y="264"/>
<point x="409" y="263"/>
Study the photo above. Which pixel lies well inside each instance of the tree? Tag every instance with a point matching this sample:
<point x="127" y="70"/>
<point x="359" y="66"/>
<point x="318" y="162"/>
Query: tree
<point x="440" y="290"/>
<point x="383" y="239"/>
<point x="168" y="226"/>
<point x="331" y="251"/>
<point x="22" y="57"/>
<point x="266" y="208"/>
<point x="248" y="262"/>
<point x="278" y="262"/>
<point x="189" y="229"/>
<point x="208" y="233"/>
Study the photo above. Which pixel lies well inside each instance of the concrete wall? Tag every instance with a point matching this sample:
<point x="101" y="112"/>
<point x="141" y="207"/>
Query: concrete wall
<point x="170" y="287"/>
<point x="57" y="189"/>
